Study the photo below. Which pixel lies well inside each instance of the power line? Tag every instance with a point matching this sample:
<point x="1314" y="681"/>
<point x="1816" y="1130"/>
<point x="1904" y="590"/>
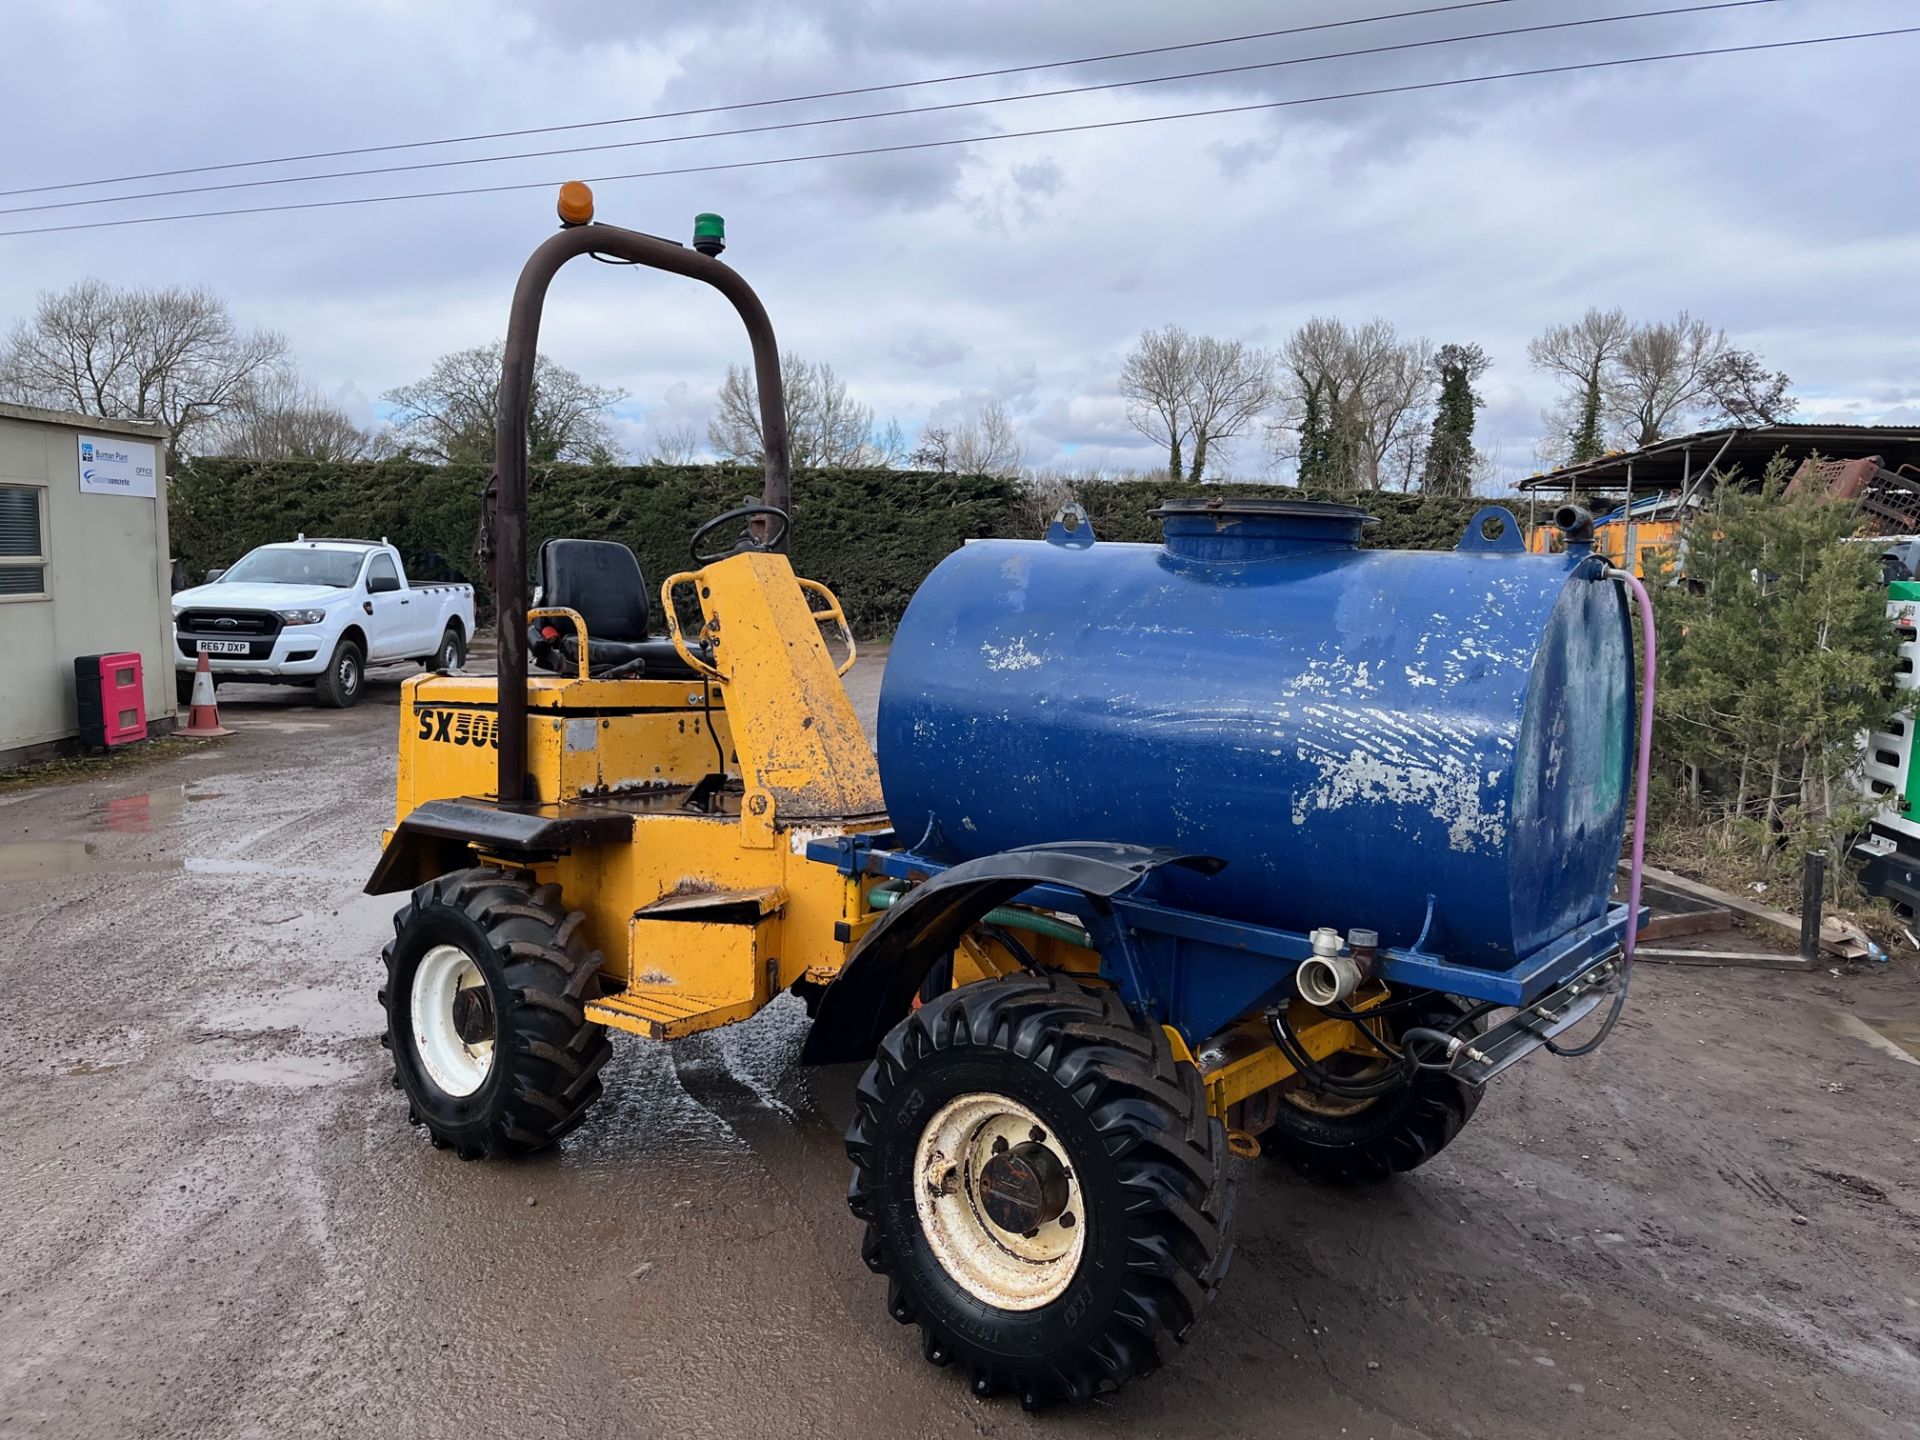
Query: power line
<point x="1378" y="91"/>
<point x="1690" y="9"/>
<point x="759" y="104"/>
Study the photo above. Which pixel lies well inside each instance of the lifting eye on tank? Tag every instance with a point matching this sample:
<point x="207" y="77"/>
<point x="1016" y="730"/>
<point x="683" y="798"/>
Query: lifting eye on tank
<point x="1071" y="526"/>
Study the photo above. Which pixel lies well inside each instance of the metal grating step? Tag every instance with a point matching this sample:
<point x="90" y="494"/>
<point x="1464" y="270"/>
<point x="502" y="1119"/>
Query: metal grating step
<point x="665" y="1014"/>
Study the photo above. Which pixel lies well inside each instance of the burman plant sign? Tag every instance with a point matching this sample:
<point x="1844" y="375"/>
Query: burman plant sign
<point x="116" y="467"/>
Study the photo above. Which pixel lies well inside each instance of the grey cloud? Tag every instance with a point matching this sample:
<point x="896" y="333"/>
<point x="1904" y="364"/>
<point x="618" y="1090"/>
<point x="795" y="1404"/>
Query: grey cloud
<point x="1480" y="214"/>
<point x="925" y="350"/>
<point x="1042" y="177"/>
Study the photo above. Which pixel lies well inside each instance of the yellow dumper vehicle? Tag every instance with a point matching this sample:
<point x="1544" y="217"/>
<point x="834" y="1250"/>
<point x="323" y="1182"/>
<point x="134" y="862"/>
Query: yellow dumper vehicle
<point x="1253" y="841"/>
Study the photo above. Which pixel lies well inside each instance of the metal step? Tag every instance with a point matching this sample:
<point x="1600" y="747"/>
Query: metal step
<point x="666" y="1014"/>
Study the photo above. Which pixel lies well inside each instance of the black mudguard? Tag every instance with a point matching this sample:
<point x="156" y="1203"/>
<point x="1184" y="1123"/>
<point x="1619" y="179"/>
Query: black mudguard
<point x="875" y="989"/>
<point x="439" y="836"/>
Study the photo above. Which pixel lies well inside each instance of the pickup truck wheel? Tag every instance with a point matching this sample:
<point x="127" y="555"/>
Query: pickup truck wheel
<point x="339" y="684"/>
<point x="452" y="652"/>
<point x="183" y="687"/>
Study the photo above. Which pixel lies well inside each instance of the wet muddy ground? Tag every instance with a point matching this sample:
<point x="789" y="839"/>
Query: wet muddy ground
<point x="215" y="1222"/>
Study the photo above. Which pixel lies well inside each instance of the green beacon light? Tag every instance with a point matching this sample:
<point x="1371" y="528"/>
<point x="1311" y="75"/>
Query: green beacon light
<point x="709" y="234"/>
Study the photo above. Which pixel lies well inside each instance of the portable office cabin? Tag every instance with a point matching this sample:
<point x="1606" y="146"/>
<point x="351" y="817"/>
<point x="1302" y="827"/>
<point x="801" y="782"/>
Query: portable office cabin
<point x="84" y="568"/>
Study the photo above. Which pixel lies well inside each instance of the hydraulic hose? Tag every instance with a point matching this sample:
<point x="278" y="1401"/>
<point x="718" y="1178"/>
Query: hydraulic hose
<point x="881" y="897"/>
<point x="1638" y="844"/>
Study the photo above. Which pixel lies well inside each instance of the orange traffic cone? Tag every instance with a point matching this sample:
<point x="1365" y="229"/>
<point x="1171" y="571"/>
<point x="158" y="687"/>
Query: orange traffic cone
<point x="203" y="723"/>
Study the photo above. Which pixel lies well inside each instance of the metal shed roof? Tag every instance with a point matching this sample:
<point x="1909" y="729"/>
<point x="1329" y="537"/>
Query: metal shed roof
<point x="1671" y="463"/>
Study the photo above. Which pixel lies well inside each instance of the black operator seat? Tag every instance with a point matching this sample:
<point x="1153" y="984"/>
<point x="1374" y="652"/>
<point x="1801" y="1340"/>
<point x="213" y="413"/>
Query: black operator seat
<point x="601" y="580"/>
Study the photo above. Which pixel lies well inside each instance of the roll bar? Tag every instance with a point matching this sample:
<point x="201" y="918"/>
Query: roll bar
<point x="504" y="532"/>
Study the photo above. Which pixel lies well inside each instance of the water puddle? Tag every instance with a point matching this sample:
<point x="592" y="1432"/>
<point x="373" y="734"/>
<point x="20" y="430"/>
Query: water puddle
<point x="333" y="1013"/>
<point x="25" y="861"/>
<point x="142" y="814"/>
<point x="1899" y="1039"/>
<point x="227" y="865"/>
<point x="286" y="1072"/>
<point x="42" y="861"/>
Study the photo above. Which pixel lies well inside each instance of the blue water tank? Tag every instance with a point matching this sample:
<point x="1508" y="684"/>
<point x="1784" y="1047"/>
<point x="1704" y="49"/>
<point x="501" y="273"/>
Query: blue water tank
<point x="1352" y="730"/>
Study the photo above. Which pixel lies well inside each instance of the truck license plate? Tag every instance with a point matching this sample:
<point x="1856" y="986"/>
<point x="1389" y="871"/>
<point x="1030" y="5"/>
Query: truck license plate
<point x="221" y="647"/>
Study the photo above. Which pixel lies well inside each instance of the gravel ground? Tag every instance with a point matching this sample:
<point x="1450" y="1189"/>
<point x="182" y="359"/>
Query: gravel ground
<point x="214" y="1220"/>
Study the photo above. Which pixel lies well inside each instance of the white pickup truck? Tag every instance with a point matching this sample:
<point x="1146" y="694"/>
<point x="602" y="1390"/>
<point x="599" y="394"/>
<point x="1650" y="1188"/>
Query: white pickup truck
<point x="317" y="612"/>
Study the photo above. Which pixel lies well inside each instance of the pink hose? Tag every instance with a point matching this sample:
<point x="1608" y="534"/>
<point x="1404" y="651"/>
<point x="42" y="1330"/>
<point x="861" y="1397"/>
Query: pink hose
<point x="1645" y="605"/>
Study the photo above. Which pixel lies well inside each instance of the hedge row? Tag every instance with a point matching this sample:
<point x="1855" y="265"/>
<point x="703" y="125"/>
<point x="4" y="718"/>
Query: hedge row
<point x="872" y="535"/>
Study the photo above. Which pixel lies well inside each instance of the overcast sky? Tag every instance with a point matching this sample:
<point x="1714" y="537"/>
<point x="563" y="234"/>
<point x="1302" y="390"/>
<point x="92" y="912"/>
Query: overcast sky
<point x="1774" y="193"/>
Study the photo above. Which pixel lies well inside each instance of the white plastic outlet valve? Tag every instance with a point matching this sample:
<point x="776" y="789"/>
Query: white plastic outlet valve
<point x="1326" y="977"/>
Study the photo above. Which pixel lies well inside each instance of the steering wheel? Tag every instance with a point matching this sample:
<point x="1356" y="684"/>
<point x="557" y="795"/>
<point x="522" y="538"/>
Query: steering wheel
<point x="775" y="536"/>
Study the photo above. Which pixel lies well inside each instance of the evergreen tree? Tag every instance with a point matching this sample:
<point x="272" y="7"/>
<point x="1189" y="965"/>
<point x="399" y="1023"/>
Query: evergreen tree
<point x="1316" y="440"/>
<point x="1584" y="439"/>
<point x="1775" y="656"/>
<point x="1449" y="464"/>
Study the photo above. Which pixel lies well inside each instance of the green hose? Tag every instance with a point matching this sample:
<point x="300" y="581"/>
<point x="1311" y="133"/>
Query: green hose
<point x="881" y="897"/>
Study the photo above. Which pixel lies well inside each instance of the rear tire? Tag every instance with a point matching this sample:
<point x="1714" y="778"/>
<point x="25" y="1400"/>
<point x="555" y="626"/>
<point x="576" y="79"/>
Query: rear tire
<point x="339" y="684"/>
<point x="487" y="982"/>
<point x="452" y="652"/>
<point x="1391" y="1135"/>
<point x="1083" y="1301"/>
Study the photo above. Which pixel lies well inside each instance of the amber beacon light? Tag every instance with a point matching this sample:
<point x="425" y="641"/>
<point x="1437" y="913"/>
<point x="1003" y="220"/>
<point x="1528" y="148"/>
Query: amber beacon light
<point x="576" y="203"/>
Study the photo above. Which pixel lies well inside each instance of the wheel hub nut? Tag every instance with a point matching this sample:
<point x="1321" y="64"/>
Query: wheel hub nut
<point x="1023" y="1188"/>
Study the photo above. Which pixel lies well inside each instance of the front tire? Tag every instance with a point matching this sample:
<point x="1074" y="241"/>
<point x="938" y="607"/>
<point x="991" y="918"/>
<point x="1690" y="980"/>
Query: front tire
<point x="487" y="979"/>
<point x="339" y="684"/>
<point x="1042" y="1185"/>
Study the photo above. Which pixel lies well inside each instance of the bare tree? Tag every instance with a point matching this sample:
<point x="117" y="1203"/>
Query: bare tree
<point x="1354" y="404"/>
<point x="1583" y="354"/>
<point x="1154" y="378"/>
<point x="1745" y="392"/>
<point x="673" y="443"/>
<point x="1233" y="384"/>
<point x="1662" y="375"/>
<point x="449" y="415"/>
<point x="1633" y="384"/>
<point x="172" y="355"/>
<point x="280" y="418"/>
<point x="889" y="445"/>
<point x="1182" y="387"/>
<point x="984" y="443"/>
<point x="826" y="428"/>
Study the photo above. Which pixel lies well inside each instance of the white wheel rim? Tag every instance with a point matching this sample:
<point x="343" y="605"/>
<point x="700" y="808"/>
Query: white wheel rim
<point x="454" y="1065"/>
<point x="1006" y="1269"/>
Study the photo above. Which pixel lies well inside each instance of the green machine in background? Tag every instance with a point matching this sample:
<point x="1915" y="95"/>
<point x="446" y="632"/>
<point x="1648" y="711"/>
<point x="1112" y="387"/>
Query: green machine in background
<point x="1888" y="856"/>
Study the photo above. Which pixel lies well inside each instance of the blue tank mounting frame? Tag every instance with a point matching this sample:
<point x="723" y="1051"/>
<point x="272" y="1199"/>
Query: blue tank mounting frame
<point x="1200" y="973"/>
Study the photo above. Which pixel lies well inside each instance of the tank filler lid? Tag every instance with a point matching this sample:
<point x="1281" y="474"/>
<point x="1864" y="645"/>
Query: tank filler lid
<point x="1251" y="508"/>
<point x="1231" y="529"/>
